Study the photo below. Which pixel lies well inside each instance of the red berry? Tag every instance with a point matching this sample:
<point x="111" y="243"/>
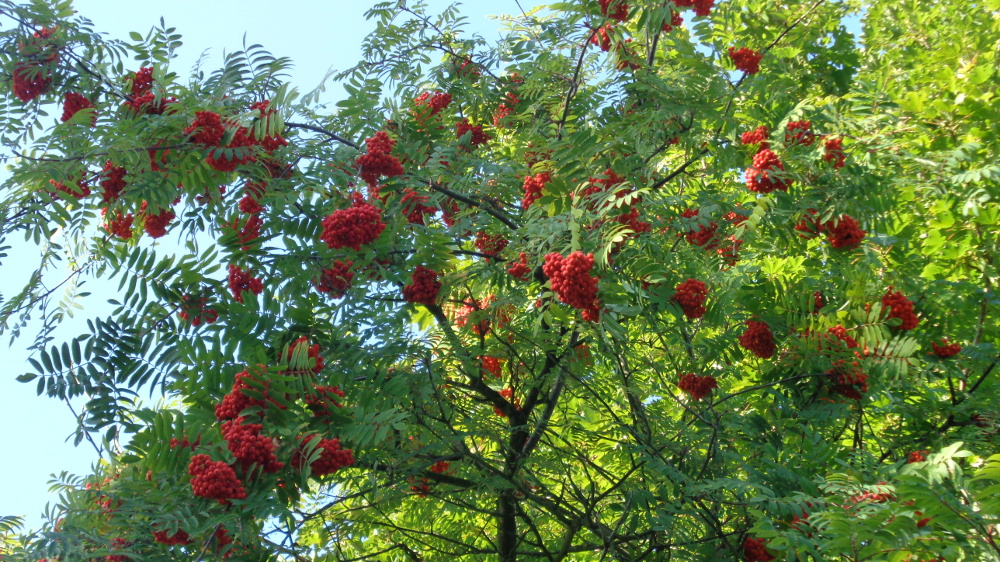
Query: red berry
<point x="758" y="339"/>
<point x="570" y="278"/>
<point x="240" y="281"/>
<point x="746" y="60"/>
<point x="900" y="307"/>
<point x="336" y="280"/>
<point x="697" y="387"/>
<point x="352" y="227"/>
<point x="844" y="233"/>
<point x="946" y="350"/>
<point x="755" y="550"/>
<point x="691" y="295"/>
<point x="759" y="177"/>
<point x="214" y="480"/>
<point x="74" y="102"/>
<point x="424" y="287"/>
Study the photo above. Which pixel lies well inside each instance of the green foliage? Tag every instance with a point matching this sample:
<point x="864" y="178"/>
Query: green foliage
<point x="500" y="422"/>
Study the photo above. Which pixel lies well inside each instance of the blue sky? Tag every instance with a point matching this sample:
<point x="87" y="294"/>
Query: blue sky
<point x="317" y="36"/>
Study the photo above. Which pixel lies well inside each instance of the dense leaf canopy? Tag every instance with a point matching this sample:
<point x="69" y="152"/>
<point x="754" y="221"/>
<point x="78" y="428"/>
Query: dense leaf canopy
<point x="654" y="279"/>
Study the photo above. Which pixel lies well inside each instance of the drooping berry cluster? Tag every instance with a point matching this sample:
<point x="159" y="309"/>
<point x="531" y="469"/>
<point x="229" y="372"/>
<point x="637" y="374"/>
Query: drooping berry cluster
<point x="757" y="136"/>
<point x="180" y="537"/>
<point x="353" y="227"/>
<point x="844" y="233"/>
<point x="849" y="380"/>
<point x="507" y="394"/>
<point x="331" y="456"/>
<point x="236" y="401"/>
<point x="797" y="132"/>
<point x="701" y="7"/>
<point x="250" y="447"/>
<point x="427" y="105"/>
<point x="112" y="182"/>
<point x="704" y="235"/>
<point x="946" y="349"/>
<point x="31" y="80"/>
<point x="74" y="102"/>
<point x="675" y="21"/>
<point x="323" y="398"/>
<point x="476" y="135"/>
<point x="519" y="269"/>
<point x="614" y="9"/>
<point x="424" y="287"/>
<point x="746" y="60"/>
<point x="336" y="280"/>
<point x="206" y="129"/>
<point x="916" y="456"/>
<point x="491" y="365"/>
<point x="697" y="387"/>
<point x="900" y="307"/>
<point x="240" y="281"/>
<point x="379" y="162"/>
<point x="755" y="550"/>
<point x="214" y="480"/>
<point x="691" y="295"/>
<point x="246" y="230"/>
<point x="834" y="152"/>
<point x="118" y="224"/>
<point x="156" y="225"/>
<point x="490" y="244"/>
<point x="414" y="206"/>
<point x="533" y="186"/>
<point x="602" y="36"/>
<point x="81" y="190"/>
<point x="758" y="339"/>
<point x="571" y="280"/>
<point x="760" y="176"/>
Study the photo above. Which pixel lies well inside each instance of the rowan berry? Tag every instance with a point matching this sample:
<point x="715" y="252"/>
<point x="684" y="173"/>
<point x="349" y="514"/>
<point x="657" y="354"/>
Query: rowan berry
<point x="746" y="60"/>
<point x="758" y="339"/>
<point x="691" y="295"/>
<point x="533" y="186"/>
<point x="900" y="307"/>
<point x="336" y="280"/>
<point x="697" y="387"/>
<point x="570" y="278"/>
<point x="240" y="281"/>
<point x="946" y="350"/>
<point x="760" y="176"/>
<point x="352" y="227"/>
<point x="797" y="132"/>
<point x="755" y="550"/>
<point x="249" y="446"/>
<point x="214" y="480"/>
<point x="424" y="287"/>
<point x="757" y="136"/>
<point x="477" y="136"/>
<point x="834" y="152"/>
<point x="844" y="233"/>
<point x="332" y="457"/>
<point x="74" y="102"/>
<point x="614" y="9"/>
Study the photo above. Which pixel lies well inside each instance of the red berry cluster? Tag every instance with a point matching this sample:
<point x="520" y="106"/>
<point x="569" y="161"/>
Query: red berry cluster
<point x="118" y="544"/>
<point x="414" y="207"/>
<point x="697" y="387"/>
<point x="477" y="136"/>
<point x="249" y="205"/>
<point x="757" y="136"/>
<point x="797" y="132"/>
<point x="632" y="221"/>
<point x="269" y="143"/>
<point x="533" y="186"/>
<point x="602" y="37"/>
<point x="143" y="98"/>
<point x="74" y="102"/>
<point x="82" y="189"/>
<point x="849" y="379"/>
<point x="118" y="224"/>
<point x="844" y="233"/>
<point x="508" y="394"/>
<point x="31" y="80"/>
<point x="490" y="244"/>
<point x="705" y="235"/>
<point x="755" y="550"/>
<point x="834" y="152"/>
<point x="156" y="225"/>
<point x="900" y="307"/>
<point x="434" y="103"/>
<point x="331" y="456"/>
<point x="475" y="309"/>
<point x="519" y="269"/>
<point x="701" y="7"/>
<point x="249" y="446"/>
<point x="759" y="177"/>
<point x="675" y="21"/>
<point x="112" y="182"/>
<point x="730" y="250"/>
<point x="352" y="227"/>
<point x="758" y="339"/>
<point x="378" y="161"/>
<point x="246" y="230"/>
<point x="691" y="295"/>
<point x="614" y="9"/>
<point x="214" y="480"/>
<point x="193" y="310"/>
<point x="492" y="365"/>
<point x="180" y="537"/>
<point x="946" y="350"/>
<point x="916" y="456"/>
<point x="570" y="278"/>
<point x="505" y="109"/>
<point x="746" y="60"/>
<point x="240" y="281"/>
<point x="206" y="129"/>
<point x="424" y="287"/>
<point x="236" y="401"/>
<point x="336" y="280"/>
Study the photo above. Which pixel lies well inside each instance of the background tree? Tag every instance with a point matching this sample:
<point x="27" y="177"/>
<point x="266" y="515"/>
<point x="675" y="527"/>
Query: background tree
<point x="666" y="280"/>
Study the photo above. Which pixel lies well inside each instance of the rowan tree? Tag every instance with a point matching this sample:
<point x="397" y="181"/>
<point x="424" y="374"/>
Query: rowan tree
<point x="639" y="280"/>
